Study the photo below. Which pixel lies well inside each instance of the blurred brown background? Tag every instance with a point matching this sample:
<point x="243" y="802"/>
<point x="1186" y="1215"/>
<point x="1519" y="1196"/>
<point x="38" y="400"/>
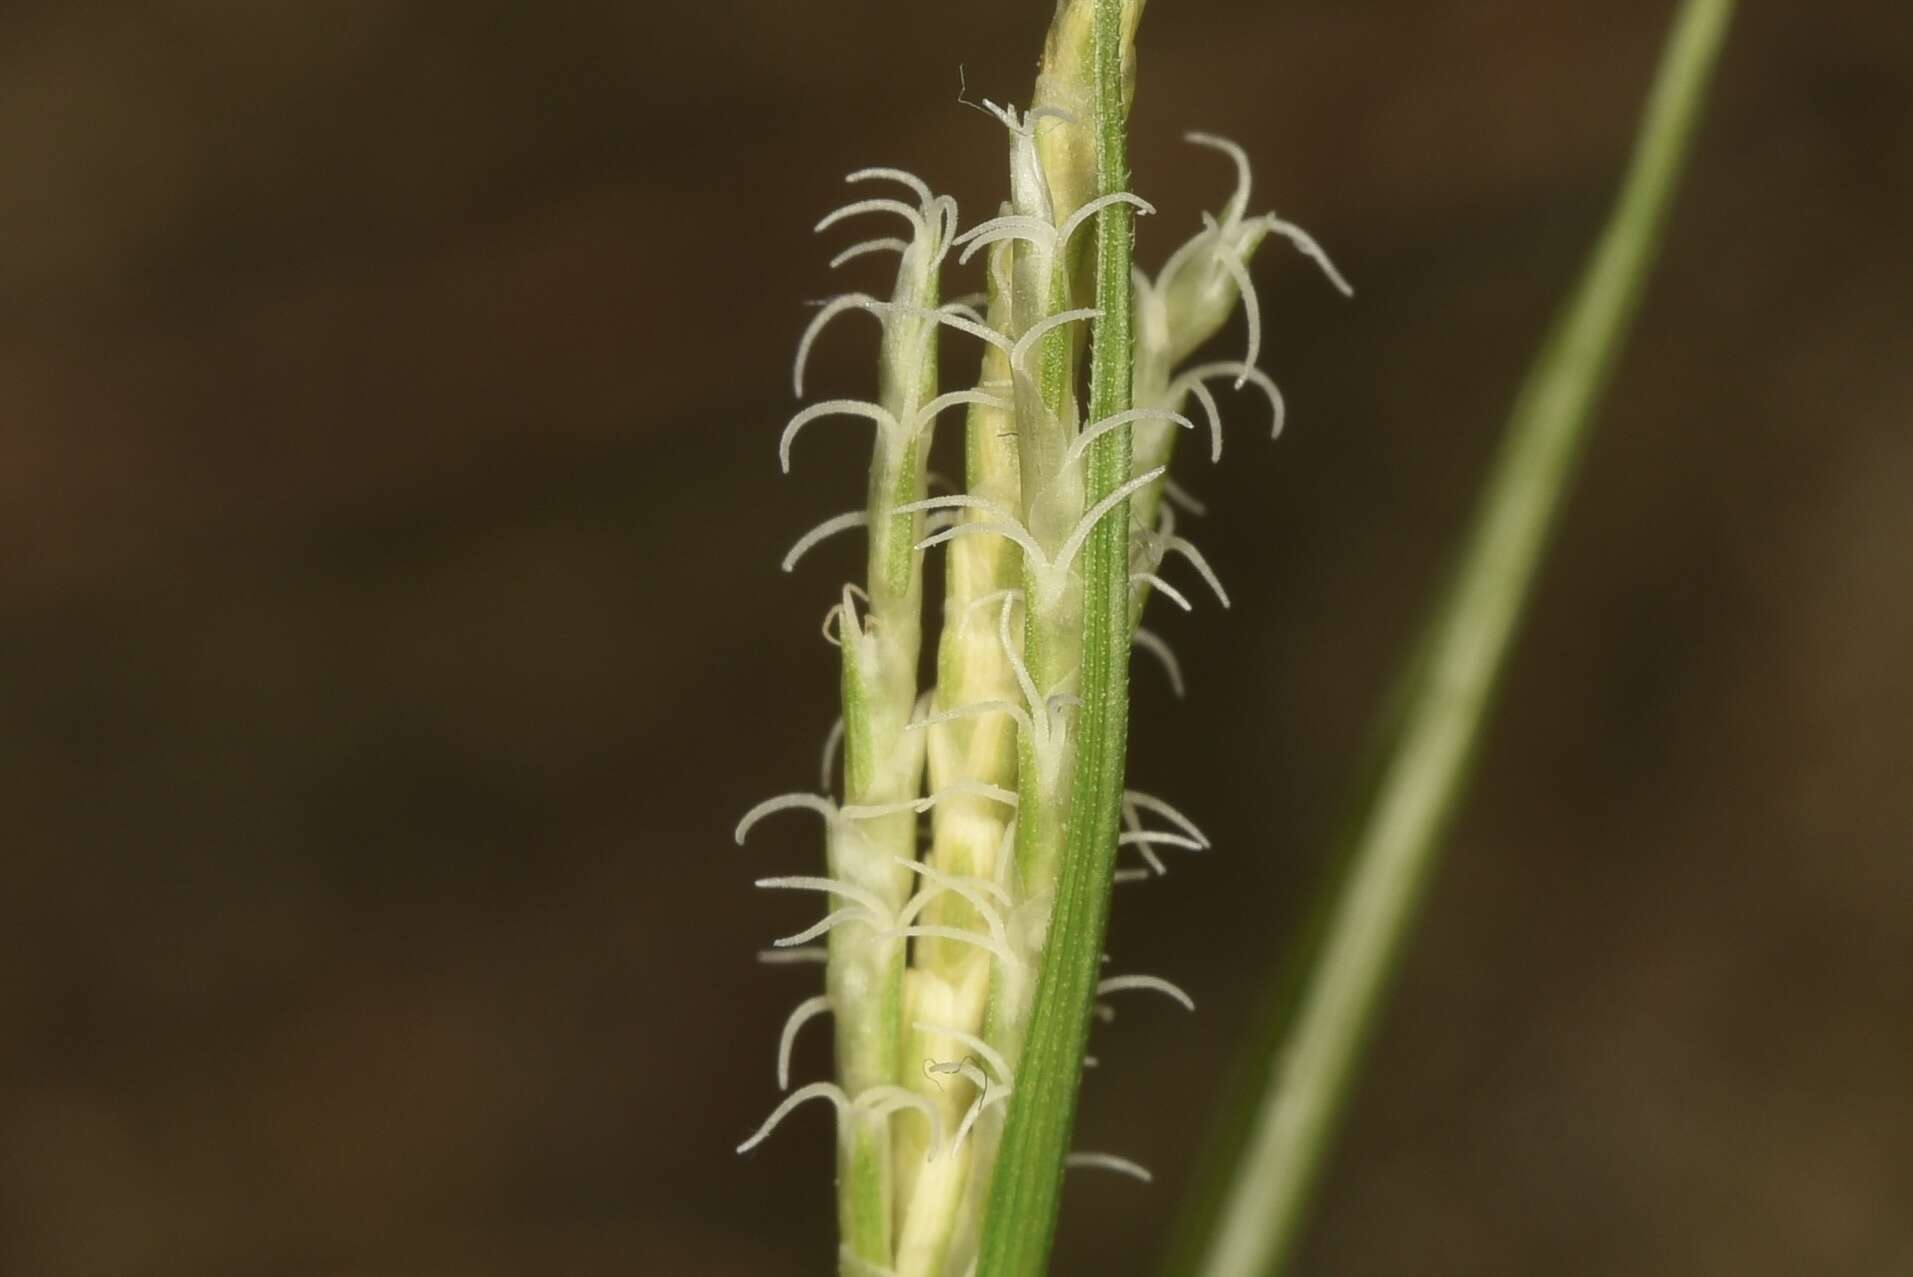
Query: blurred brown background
<point x="392" y="630"/>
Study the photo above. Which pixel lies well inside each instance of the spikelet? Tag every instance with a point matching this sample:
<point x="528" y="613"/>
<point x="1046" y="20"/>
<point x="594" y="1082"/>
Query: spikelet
<point x="932" y="938"/>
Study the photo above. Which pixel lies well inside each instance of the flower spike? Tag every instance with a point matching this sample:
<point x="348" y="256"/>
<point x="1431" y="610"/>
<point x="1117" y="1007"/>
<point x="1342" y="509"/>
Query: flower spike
<point x="947" y="818"/>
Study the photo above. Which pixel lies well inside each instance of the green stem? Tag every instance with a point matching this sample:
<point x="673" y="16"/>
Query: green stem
<point x="1027" y="1186"/>
<point x="1447" y="697"/>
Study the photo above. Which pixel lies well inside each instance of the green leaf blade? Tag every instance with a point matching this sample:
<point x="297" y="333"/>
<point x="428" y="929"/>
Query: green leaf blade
<point x="1309" y="1053"/>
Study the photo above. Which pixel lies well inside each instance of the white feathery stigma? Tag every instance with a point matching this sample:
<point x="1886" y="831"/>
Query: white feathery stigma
<point x="806" y="1010"/>
<point x="785" y="802"/>
<point x="1108" y="1162"/>
<point x="1152" y="983"/>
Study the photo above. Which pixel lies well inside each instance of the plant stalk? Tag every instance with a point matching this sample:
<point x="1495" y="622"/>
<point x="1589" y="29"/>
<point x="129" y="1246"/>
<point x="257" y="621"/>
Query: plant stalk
<point x="1446" y="697"/>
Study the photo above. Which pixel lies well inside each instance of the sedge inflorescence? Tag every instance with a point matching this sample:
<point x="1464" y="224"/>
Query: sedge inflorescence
<point x="945" y="807"/>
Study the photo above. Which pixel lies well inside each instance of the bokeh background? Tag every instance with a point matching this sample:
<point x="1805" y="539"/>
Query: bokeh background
<point x="391" y="628"/>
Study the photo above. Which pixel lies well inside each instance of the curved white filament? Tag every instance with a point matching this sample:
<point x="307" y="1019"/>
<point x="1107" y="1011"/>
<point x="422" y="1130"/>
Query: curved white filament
<point x="1238" y="199"/>
<point x="1094" y="515"/>
<point x="972" y="788"/>
<point x="1158" y="838"/>
<point x="1163" y="588"/>
<point x="850" y="891"/>
<point x="1151" y="983"/>
<point x="830" y="408"/>
<point x="917" y="185"/>
<point x="1150" y="803"/>
<point x="1189" y="379"/>
<point x="1108" y="1162"/>
<point x="793" y="957"/>
<point x="886" y="244"/>
<point x="1245" y="287"/>
<point x="1154" y="644"/>
<point x="989" y="944"/>
<point x="915" y="215"/>
<point x="1013" y="531"/>
<point x="815" y="1091"/>
<point x="950" y="399"/>
<point x="785" y="802"/>
<point x="1179" y="497"/>
<point x="828" y="528"/>
<point x="962" y="884"/>
<point x="807" y="1010"/>
<point x="832" y="740"/>
<point x="1043" y="328"/>
<point x="1182" y="546"/>
<point x="1116" y="421"/>
<point x="1096" y="206"/>
<point x="828" y="311"/>
<point x="1306" y="245"/>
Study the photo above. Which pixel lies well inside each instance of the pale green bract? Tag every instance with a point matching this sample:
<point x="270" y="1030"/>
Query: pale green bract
<point x="934" y="944"/>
